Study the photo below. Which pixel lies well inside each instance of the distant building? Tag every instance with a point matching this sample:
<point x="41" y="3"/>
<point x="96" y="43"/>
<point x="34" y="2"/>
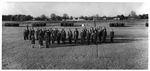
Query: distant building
<point x="116" y="18"/>
<point x="75" y="19"/>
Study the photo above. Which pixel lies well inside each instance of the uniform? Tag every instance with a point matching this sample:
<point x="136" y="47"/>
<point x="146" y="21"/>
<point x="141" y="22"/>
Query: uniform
<point x="40" y="38"/>
<point x="55" y="34"/>
<point x="47" y="40"/>
<point x="92" y="33"/>
<point x="104" y="35"/>
<point x="95" y="37"/>
<point x="76" y="34"/>
<point x="84" y="35"/>
<point x="70" y="35"/>
<point x="49" y="35"/>
<point x="25" y="34"/>
<point x="37" y="32"/>
<point x="32" y="40"/>
<point x="111" y="36"/>
<point x="53" y="37"/>
<point x="81" y="35"/>
<point x="58" y="37"/>
<point x="100" y="35"/>
<point x="30" y="33"/>
<point x="63" y="36"/>
<point x="88" y="37"/>
<point x="33" y="32"/>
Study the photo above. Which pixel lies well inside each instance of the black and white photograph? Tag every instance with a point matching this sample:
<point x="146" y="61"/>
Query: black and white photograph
<point x="74" y="35"/>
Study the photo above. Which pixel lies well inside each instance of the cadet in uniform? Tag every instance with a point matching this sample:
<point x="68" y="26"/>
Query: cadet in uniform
<point x="76" y="35"/>
<point x="49" y="35"/>
<point x="104" y="35"/>
<point x="32" y="40"/>
<point x="70" y="35"/>
<point x="33" y="32"/>
<point x="37" y="33"/>
<point x="25" y="34"/>
<point x="53" y="36"/>
<point x="58" y="37"/>
<point x="63" y="36"/>
<point x="81" y="36"/>
<point x="92" y="33"/>
<point x="51" y="31"/>
<point x="88" y="37"/>
<point x="95" y="36"/>
<point x="47" y="40"/>
<point x="42" y="34"/>
<point x="100" y="34"/>
<point x="111" y="36"/>
<point x="30" y="33"/>
<point x="84" y="35"/>
<point x="40" y="38"/>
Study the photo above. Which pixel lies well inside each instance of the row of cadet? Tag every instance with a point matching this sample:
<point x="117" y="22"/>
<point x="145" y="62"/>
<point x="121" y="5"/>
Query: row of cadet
<point x="55" y="36"/>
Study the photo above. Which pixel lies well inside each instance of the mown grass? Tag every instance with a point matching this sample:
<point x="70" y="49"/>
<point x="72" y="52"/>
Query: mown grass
<point x="130" y="50"/>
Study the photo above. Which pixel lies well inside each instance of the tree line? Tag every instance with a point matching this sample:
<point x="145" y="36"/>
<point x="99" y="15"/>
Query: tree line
<point x="65" y="16"/>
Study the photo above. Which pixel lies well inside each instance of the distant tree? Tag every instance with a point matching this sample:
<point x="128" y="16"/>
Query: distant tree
<point x="81" y="17"/>
<point x="43" y="17"/>
<point x="133" y="14"/>
<point x="65" y="16"/>
<point x="97" y="16"/>
<point x="58" y="18"/>
<point x="29" y="17"/>
<point x="71" y="17"/>
<point x="53" y="16"/>
<point x="86" y="18"/>
<point x="144" y="16"/>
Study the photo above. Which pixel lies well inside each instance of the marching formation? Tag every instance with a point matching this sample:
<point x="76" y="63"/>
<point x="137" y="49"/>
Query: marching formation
<point x="54" y="36"/>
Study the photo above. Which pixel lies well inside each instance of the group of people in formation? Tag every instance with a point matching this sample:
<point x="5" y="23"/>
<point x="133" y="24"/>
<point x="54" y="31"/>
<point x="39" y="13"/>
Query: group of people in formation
<point x="55" y="36"/>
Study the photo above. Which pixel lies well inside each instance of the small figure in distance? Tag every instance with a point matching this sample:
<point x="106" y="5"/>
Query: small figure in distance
<point x="32" y="40"/>
<point x="112" y="36"/>
<point x="70" y="36"/>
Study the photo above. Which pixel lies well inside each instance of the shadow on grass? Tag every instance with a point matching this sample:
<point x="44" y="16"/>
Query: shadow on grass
<point x="116" y="41"/>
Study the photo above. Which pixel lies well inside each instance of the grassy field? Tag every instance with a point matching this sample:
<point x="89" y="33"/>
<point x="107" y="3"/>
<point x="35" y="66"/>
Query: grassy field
<point x="129" y="50"/>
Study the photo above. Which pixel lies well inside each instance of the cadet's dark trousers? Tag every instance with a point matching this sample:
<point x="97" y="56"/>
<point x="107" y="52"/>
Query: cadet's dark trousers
<point x="24" y="37"/>
<point x="104" y="39"/>
<point x="27" y="36"/>
<point x="49" y="41"/>
<point x="41" y="42"/>
<point x="47" y="44"/>
<point x="95" y="41"/>
<point x="75" y="41"/>
<point x="70" y="41"/>
<point x="58" y="41"/>
<point x="37" y="37"/>
<point x="63" y="40"/>
<point x="88" y="40"/>
<point x="100" y="39"/>
<point x="111" y="39"/>
<point x="92" y="38"/>
<point x="82" y="41"/>
<point x="53" y="41"/>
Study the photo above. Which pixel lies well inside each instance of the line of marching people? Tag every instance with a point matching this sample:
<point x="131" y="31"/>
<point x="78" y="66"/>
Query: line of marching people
<point x="55" y="36"/>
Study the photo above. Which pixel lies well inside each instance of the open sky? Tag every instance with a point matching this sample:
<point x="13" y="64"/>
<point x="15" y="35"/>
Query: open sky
<point x="73" y="8"/>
